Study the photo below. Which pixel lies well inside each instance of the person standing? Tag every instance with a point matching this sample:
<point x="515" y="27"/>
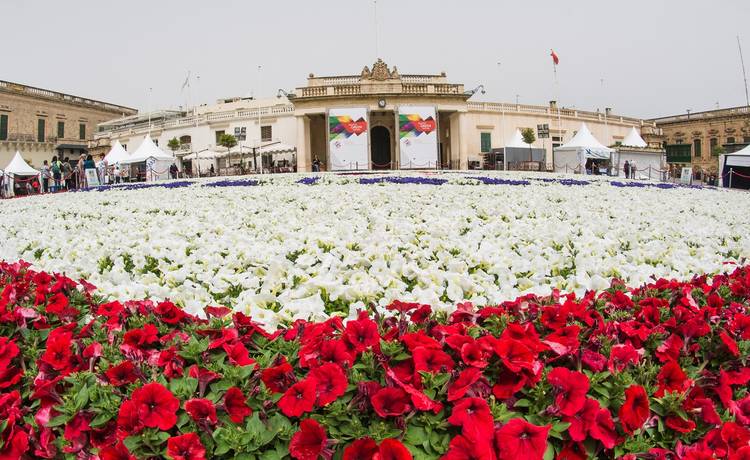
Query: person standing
<point x="45" y="173"/>
<point x="626" y="167"/>
<point x="117" y="173"/>
<point x="173" y="171"/>
<point x="67" y="173"/>
<point x="633" y="170"/>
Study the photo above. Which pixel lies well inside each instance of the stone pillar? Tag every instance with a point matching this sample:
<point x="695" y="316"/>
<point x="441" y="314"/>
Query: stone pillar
<point x="455" y="141"/>
<point x="463" y="155"/>
<point x="304" y="152"/>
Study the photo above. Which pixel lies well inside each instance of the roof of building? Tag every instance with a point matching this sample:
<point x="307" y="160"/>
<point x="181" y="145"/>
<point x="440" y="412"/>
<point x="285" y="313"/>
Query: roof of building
<point x="19" y="88"/>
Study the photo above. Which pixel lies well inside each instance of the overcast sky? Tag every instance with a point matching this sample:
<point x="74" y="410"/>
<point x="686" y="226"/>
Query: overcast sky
<point x="643" y="58"/>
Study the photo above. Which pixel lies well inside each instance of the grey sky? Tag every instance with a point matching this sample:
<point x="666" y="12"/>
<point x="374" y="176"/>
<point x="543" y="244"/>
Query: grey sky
<point x="656" y="57"/>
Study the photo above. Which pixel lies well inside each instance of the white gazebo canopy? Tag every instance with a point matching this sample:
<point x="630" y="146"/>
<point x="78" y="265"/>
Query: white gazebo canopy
<point x="633" y="139"/>
<point x="19" y="167"/>
<point x="585" y="142"/>
<point x="738" y="158"/>
<point x="117" y="154"/>
<point x="147" y="150"/>
<point x="277" y="148"/>
<point x="517" y="141"/>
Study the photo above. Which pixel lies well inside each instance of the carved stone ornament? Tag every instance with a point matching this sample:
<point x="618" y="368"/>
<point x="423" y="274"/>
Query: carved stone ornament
<point x="380" y="71"/>
<point x="365" y="73"/>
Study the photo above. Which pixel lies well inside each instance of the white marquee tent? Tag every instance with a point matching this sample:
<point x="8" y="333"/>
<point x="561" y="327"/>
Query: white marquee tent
<point x="583" y="146"/>
<point x="157" y="160"/>
<point x="634" y="150"/>
<point x="17" y="167"/>
<point x="738" y="163"/>
<point x="517" y="151"/>
<point x="117" y="154"/>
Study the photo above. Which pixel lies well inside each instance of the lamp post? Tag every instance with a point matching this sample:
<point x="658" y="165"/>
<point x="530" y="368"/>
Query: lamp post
<point x="260" y="128"/>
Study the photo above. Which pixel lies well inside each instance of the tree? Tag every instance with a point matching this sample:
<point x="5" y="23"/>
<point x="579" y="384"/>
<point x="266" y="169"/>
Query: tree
<point x="718" y="150"/>
<point x="528" y="137"/>
<point x="228" y="141"/>
<point x="173" y="144"/>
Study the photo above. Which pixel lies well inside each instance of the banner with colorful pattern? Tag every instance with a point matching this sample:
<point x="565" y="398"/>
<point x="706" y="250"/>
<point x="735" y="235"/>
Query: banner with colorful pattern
<point x="418" y="140"/>
<point x="348" y="142"/>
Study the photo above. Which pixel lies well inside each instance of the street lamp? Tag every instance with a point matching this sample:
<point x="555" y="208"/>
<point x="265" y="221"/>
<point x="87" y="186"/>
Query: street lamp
<point x="283" y="93"/>
<point x="472" y="92"/>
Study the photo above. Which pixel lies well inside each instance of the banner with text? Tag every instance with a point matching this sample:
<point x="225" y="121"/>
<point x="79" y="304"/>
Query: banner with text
<point x="348" y="139"/>
<point x="418" y="140"/>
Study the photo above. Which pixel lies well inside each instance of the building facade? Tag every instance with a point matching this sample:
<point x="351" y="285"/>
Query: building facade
<point x="697" y="139"/>
<point x="41" y="123"/>
<point x="466" y="130"/>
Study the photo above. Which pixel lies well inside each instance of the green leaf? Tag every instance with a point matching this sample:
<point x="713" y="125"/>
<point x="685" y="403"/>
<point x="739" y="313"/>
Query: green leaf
<point x="549" y="454"/>
<point x="132" y="442"/>
<point x="58" y="421"/>
<point x="101" y="419"/>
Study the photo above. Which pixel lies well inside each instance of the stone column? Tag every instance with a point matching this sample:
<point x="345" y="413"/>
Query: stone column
<point x="455" y="141"/>
<point x="304" y="152"/>
<point x="463" y="156"/>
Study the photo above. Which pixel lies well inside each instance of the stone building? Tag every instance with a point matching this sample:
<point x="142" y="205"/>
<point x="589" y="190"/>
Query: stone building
<point x="41" y="123"/>
<point x="466" y="130"/>
<point x="697" y="139"/>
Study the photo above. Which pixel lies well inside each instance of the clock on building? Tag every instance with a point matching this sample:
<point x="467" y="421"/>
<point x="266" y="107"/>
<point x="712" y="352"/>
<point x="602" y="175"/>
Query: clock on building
<point x="381" y="103"/>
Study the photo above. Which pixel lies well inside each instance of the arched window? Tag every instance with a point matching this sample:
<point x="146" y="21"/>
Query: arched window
<point x="185" y="140"/>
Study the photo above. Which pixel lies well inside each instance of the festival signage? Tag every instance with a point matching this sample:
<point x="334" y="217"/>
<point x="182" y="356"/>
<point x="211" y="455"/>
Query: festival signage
<point x="418" y="140"/>
<point x="348" y="139"/>
<point x="92" y="179"/>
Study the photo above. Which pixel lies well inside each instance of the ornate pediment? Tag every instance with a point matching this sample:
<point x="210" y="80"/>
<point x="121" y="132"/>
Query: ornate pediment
<point x="379" y="72"/>
<point x="713" y="132"/>
<point x="729" y="130"/>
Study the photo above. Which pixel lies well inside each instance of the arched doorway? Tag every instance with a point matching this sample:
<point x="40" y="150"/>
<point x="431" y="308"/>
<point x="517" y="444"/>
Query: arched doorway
<point x="380" y="146"/>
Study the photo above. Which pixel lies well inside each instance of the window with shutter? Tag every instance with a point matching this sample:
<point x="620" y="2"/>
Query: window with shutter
<point x="3" y="127"/>
<point x="486" y="142"/>
<point x="696" y="147"/>
<point x="40" y="130"/>
<point x="61" y="129"/>
<point x="82" y="131"/>
<point x="266" y="133"/>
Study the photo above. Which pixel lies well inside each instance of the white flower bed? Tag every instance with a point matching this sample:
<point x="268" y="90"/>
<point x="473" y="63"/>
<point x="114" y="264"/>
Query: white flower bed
<point x="282" y="251"/>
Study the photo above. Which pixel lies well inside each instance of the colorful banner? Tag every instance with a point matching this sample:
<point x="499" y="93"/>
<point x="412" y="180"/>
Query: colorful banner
<point x="418" y="137"/>
<point x="348" y="145"/>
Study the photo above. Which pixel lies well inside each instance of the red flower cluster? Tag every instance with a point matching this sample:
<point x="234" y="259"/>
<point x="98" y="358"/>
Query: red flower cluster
<point x="658" y="372"/>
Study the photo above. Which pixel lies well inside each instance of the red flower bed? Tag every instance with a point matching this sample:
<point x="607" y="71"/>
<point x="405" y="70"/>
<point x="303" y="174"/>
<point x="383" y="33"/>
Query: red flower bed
<point x="656" y="372"/>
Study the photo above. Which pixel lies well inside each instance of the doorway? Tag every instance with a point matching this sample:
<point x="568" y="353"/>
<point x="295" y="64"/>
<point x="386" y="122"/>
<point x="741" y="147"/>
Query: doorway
<point x="380" y="146"/>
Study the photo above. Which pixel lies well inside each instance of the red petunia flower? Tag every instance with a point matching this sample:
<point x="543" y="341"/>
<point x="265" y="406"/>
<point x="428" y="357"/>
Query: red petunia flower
<point x="15" y="446"/>
<point x="474" y="417"/>
<point x="309" y="442"/>
<point x="463" y="383"/>
<point x="122" y="374"/>
<point x="116" y="452"/>
<point x="332" y="382"/>
<point x="679" y="424"/>
<point x="235" y="404"/>
<point x="128" y="421"/>
<point x="186" y="447"/>
<point x="670" y="349"/>
<point x="157" y="406"/>
<point x="672" y="378"/>
<point x="475" y="354"/>
<point x="431" y="360"/>
<point x="362" y="334"/>
<point x="201" y="410"/>
<point x="520" y="440"/>
<point x="8" y="351"/>
<point x="514" y="354"/>
<point x="391" y="402"/>
<point x="278" y="378"/>
<point x="361" y="449"/>
<point x="76" y="432"/>
<point x="300" y="398"/>
<point x="462" y="448"/>
<point x="571" y="388"/>
<point x="508" y="383"/>
<point x="593" y="360"/>
<point x="635" y="411"/>
<point x="622" y="355"/>
<point x="729" y="344"/>
<point x="59" y="305"/>
<point x="59" y="352"/>
<point x="169" y="313"/>
<point x="238" y="354"/>
<point x="392" y="449"/>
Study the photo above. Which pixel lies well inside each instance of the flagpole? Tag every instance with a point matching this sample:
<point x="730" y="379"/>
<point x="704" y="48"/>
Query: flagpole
<point x="377" y="35"/>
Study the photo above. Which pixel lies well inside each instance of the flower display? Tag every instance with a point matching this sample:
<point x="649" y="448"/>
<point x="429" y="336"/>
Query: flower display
<point x="654" y="371"/>
<point x="283" y="248"/>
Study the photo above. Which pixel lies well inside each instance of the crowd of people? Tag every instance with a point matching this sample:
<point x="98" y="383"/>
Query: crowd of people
<point x="63" y="174"/>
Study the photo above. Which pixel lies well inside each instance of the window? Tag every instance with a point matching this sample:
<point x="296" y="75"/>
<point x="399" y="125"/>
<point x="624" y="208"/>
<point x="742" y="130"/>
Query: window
<point x="40" y="130"/>
<point x="696" y="147"/>
<point x="3" y="127"/>
<point x="485" y="142"/>
<point x="60" y="129"/>
<point x="556" y="139"/>
<point x="730" y="140"/>
<point x="218" y="136"/>
<point x="185" y="140"/>
<point x="266" y="133"/>
<point x="713" y="142"/>
<point x="82" y="131"/>
<point x="746" y="140"/>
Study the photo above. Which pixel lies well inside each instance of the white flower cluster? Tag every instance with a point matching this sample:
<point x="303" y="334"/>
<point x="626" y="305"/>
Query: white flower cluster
<point x="282" y="251"/>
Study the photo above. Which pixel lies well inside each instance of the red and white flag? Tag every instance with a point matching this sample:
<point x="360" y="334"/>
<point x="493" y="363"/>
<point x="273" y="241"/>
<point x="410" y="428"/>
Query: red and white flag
<point x="555" y="59"/>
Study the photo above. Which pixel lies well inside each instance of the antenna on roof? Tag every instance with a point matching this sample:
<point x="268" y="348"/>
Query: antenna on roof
<point x="744" y="75"/>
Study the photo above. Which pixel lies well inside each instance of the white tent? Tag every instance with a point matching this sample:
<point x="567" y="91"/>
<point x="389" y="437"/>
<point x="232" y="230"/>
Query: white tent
<point x="117" y="154"/>
<point x="633" y="139"/>
<point x="157" y="160"/>
<point x="572" y="155"/>
<point x="738" y="164"/>
<point x="517" y="141"/>
<point x="17" y="167"/>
